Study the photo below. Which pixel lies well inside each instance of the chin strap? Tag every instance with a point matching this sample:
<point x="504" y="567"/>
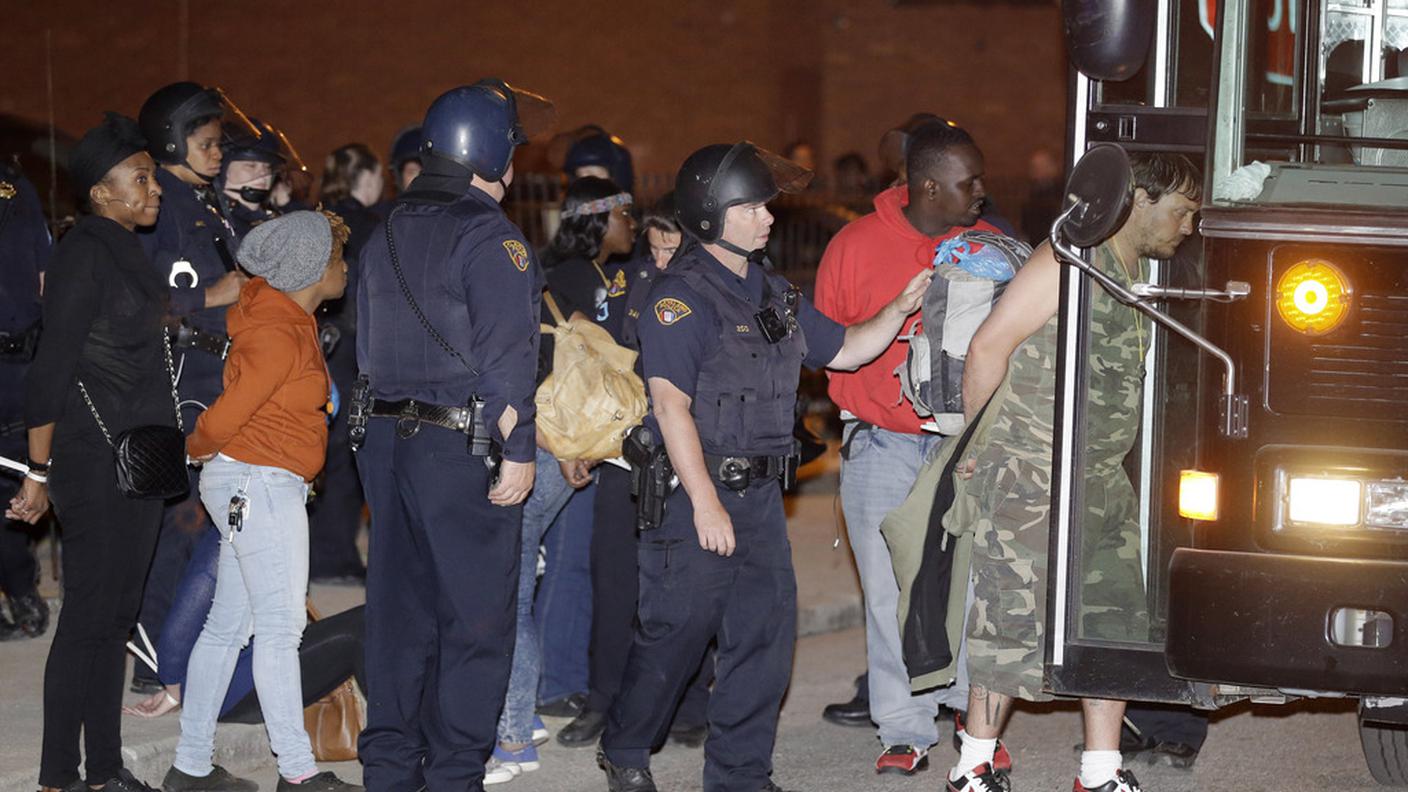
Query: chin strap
<point x="735" y="249"/>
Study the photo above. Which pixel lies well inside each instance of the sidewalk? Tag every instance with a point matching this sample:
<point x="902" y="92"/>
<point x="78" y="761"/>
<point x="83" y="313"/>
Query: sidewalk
<point x="828" y="596"/>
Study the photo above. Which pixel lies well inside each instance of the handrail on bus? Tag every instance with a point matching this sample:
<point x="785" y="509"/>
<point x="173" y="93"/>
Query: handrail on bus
<point x="1232" y="407"/>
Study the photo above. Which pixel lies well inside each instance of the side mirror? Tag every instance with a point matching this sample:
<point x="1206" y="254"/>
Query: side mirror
<point x="1108" y="39"/>
<point x="1099" y="194"/>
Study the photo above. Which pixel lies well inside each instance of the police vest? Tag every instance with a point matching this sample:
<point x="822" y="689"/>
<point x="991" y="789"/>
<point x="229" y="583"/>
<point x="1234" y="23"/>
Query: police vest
<point x="746" y="396"/>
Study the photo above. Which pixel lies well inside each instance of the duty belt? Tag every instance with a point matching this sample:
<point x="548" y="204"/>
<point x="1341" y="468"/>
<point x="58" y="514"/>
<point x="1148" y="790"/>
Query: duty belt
<point x="410" y="414"/>
<point x="187" y="337"/>
<point x="740" y="472"/>
<point x="19" y="347"/>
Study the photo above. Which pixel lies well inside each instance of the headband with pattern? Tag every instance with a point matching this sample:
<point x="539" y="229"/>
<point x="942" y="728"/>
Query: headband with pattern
<point x="600" y="205"/>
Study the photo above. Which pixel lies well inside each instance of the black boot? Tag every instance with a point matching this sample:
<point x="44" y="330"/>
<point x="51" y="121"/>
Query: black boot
<point x="584" y="730"/>
<point x="855" y="712"/>
<point x="625" y="779"/>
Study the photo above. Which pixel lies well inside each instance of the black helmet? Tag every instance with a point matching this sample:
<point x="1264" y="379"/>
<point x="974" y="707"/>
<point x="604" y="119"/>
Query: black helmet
<point x="169" y="115"/>
<point x="406" y="146"/>
<point x="262" y="146"/>
<point x="719" y="176"/>
<point x="596" y="146"/>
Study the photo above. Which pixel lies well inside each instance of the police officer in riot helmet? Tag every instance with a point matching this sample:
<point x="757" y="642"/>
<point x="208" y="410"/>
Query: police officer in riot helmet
<point x="447" y="337"/>
<point x="599" y="153"/>
<point x="722" y="348"/>
<point x="249" y="167"/>
<point x="192" y="246"/>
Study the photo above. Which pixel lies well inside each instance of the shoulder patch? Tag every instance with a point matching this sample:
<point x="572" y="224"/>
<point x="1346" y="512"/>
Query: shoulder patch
<point x="670" y="310"/>
<point x="517" y="254"/>
<point x="618" y="284"/>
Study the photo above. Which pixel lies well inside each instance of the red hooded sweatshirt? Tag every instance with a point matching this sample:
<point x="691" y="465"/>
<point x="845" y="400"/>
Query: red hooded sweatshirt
<point x="866" y="266"/>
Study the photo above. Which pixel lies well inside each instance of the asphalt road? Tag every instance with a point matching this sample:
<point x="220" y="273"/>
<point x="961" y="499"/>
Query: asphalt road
<point x="1302" y="747"/>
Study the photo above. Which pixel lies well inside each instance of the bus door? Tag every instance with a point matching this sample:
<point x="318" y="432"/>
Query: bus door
<point x="1161" y="107"/>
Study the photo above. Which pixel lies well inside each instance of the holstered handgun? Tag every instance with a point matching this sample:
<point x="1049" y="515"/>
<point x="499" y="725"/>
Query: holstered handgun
<point x="480" y="442"/>
<point x="358" y="410"/>
<point x="651" y="473"/>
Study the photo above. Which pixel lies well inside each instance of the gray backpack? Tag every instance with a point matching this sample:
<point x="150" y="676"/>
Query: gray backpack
<point x="970" y="272"/>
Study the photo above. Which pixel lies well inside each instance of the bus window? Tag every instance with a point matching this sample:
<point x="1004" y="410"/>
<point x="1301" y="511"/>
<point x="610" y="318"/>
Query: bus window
<point x="1313" y="117"/>
<point x="1186" y="53"/>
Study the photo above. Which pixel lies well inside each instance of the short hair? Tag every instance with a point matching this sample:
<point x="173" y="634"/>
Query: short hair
<point x="929" y="143"/>
<point x="851" y="159"/>
<point x="661" y="216"/>
<point x="341" y="169"/>
<point x="1160" y="174"/>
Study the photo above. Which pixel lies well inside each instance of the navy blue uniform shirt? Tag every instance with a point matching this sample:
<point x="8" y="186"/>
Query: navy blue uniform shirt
<point x="186" y="230"/>
<point x="479" y="285"/>
<point x="24" y="253"/>
<point x="679" y="328"/>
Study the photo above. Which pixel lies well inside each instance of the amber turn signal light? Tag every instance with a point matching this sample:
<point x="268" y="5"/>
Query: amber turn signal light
<point x="1313" y="297"/>
<point x="1197" y="495"/>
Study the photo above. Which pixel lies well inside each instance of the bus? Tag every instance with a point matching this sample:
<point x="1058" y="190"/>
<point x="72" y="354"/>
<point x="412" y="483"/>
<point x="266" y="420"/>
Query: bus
<point x="1272" y="463"/>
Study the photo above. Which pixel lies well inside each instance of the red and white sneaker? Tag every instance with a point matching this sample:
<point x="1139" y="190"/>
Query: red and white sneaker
<point x="1001" y="757"/>
<point x="1124" y="781"/>
<point x="904" y="759"/>
<point x="982" y="778"/>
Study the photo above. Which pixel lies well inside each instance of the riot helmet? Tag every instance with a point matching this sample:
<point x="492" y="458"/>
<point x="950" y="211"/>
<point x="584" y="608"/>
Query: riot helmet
<point x="595" y="146"/>
<point x="242" y="146"/>
<point x="719" y="176"/>
<point x="174" y="112"/>
<point x="405" y="150"/>
<point x="479" y="126"/>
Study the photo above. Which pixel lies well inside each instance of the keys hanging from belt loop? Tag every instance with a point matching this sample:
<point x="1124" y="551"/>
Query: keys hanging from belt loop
<point x="239" y="509"/>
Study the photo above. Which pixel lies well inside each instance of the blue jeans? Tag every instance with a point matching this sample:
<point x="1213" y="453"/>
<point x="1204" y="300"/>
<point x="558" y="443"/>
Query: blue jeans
<point x="550" y="494"/>
<point x="564" y="605"/>
<point x="259" y="590"/>
<point x="877" y="472"/>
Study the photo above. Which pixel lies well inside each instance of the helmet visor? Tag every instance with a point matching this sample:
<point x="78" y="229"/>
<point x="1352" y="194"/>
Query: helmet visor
<point x="292" y="160"/>
<point x="536" y="114"/>
<point x="235" y="127"/>
<point x="786" y="174"/>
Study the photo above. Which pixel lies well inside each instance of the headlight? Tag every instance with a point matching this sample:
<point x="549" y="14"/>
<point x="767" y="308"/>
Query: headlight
<point x="1324" y="501"/>
<point x="1197" y="495"/>
<point x="1313" y="297"/>
<point x="1386" y="504"/>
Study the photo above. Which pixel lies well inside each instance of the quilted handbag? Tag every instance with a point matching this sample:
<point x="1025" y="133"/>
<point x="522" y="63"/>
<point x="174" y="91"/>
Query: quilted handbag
<point x="150" y="460"/>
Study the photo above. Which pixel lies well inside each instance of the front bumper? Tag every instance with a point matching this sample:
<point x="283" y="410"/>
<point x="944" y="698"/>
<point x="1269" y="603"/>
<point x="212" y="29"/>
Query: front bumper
<point x="1263" y="620"/>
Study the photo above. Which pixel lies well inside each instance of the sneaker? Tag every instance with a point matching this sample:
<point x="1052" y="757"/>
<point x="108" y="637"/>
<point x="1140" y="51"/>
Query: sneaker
<point x="1001" y="757"/>
<point x="905" y="759"/>
<point x="982" y="778"/>
<point x="497" y="771"/>
<point x="625" y="779"/>
<point x="219" y="780"/>
<point x="540" y="731"/>
<point x="322" y="782"/>
<point x="525" y="759"/>
<point x="1124" y="781"/>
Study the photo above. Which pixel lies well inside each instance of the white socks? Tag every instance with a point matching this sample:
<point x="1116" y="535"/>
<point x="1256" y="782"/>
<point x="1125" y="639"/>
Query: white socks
<point x="1097" y="767"/>
<point x="976" y="752"/>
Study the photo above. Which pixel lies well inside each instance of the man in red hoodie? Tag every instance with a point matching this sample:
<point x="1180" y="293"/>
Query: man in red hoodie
<point x="883" y="446"/>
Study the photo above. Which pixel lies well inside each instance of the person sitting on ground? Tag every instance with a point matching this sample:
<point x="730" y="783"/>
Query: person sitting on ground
<point x="261" y="443"/>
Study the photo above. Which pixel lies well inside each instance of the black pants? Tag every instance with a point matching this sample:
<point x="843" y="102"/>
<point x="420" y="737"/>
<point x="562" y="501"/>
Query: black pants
<point x="330" y="653"/>
<point x="18" y="570"/>
<point x="108" y="543"/>
<point x="442" y="596"/>
<point x="182" y="524"/>
<point x="336" y="512"/>
<point x="615" y="592"/>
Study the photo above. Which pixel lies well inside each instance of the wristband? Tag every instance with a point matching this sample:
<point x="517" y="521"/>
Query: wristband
<point x="42" y="468"/>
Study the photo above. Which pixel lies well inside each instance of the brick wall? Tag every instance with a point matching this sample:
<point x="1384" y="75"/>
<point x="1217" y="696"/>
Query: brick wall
<point x="667" y="75"/>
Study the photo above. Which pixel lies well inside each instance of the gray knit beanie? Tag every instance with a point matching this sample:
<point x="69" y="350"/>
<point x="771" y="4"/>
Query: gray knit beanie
<point x="290" y="252"/>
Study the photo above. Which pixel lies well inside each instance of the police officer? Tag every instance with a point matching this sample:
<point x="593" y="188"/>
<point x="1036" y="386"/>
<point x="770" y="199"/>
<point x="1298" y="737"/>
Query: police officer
<point x="405" y="157"/>
<point x="24" y="251"/>
<point x="723" y="345"/>
<point x="250" y="163"/>
<point x="192" y="246"/>
<point x="447" y="337"/>
<point x="599" y="153"/>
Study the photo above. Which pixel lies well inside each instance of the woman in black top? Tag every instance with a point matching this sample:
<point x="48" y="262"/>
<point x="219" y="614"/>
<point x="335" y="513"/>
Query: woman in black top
<point x="103" y="306"/>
